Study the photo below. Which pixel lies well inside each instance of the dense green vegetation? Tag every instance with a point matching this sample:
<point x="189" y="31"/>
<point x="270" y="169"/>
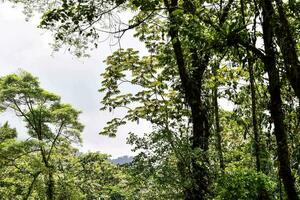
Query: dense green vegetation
<point x="243" y="53"/>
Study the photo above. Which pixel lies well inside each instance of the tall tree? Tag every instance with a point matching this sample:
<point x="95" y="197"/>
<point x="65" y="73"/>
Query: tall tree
<point x="276" y="101"/>
<point x="48" y="121"/>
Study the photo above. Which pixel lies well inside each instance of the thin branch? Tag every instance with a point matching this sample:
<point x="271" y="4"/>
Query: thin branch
<point x="55" y="139"/>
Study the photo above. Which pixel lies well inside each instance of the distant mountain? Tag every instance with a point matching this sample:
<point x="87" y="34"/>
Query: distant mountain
<point x="122" y="160"/>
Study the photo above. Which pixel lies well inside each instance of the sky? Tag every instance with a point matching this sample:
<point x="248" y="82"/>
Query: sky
<point x="24" y="46"/>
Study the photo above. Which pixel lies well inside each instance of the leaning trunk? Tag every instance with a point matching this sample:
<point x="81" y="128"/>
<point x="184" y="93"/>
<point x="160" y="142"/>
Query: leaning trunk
<point x="276" y="103"/>
<point x="287" y="46"/>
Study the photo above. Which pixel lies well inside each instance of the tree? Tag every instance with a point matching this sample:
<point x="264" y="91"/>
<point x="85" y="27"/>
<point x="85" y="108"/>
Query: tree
<point x="49" y="122"/>
<point x="46" y="166"/>
<point x="276" y="102"/>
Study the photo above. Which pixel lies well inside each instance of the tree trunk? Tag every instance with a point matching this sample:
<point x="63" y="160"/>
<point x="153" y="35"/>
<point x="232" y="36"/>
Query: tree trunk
<point x="50" y="182"/>
<point x="276" y="103"/>
<point x="262" y="193"/>
<point x="198" y="189"/>
<point x="254" y="118"/>
<point x="50" y="185"/>
<point x="217" y="121"/>
<point x="199" y="147"/>
<point x="287" y="46"/>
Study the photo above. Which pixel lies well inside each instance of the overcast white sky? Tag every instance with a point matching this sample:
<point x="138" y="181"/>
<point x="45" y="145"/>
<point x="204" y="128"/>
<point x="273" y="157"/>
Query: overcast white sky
<point x="23" y="46"/>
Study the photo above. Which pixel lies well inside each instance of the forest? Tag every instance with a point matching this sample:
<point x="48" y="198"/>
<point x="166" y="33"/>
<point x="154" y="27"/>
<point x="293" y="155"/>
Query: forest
<point x="220" y="86"/>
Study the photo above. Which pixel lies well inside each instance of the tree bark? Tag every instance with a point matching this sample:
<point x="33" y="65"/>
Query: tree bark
<point x="50" y="185"/>
<point x="276" y="102"/>
<point x="254" y="118"/>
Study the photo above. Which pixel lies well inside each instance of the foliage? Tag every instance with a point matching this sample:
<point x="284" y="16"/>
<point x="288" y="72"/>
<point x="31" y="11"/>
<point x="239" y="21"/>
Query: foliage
<point x="243" y="183"/>
<point x="243" y="53"/>
<point x="47" y="155"/>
